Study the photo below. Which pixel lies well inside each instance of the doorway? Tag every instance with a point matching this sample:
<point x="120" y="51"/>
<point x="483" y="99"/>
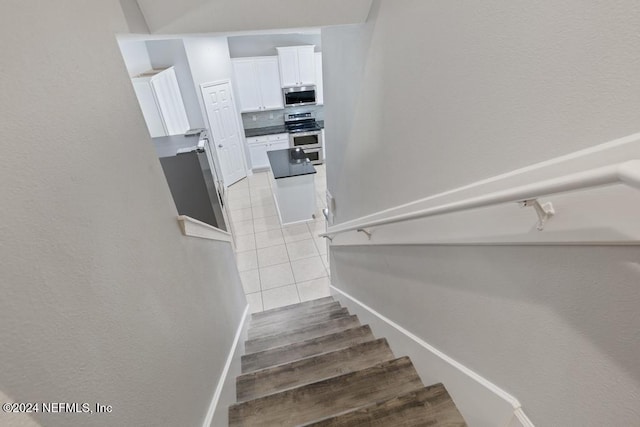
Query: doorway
<point x="226" y="138"/>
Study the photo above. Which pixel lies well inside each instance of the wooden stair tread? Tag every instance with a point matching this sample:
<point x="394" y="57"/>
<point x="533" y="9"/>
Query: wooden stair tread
<point x="310" y="331"/>
<point x="429" y="406"/>
<point x="324" y="398"/>
<point x="296" y="323"/>
<point x="295" y="313"/>
<point x="300" y="305"/>
<point x="310" y="347"/>
<point x="312" y="369"/>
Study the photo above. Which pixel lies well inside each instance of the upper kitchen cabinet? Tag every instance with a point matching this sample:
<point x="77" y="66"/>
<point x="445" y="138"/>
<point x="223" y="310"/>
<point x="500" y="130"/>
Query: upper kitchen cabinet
<point x="258" y="83"/>
<point x="161" y="102"/>
<point x="319" y="85"/>
<point x="297" y="66"/>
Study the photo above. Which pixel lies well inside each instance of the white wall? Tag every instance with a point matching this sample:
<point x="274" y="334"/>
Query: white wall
<point x="556" y="327"/>
<point x="133" y="17"/>
<point x="208" y="58"/>
<point x="432" y="96"/>
<point x="103" y="299"/>
<point x="136" y="56"/>
<point x="478" y="90"/>
<point x="167" y="53"/>
<point x="207" y="16"/>
<point x="265" y="44"/>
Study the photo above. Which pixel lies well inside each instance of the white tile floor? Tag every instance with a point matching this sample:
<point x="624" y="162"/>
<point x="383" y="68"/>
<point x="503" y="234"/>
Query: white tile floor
<point x="278" y="265"/>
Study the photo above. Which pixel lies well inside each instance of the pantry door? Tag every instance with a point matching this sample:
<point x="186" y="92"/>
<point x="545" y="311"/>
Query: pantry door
<point x="225" y="133"/>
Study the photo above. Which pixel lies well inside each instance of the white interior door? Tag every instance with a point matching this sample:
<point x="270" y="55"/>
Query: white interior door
<point x="225" y="133"/>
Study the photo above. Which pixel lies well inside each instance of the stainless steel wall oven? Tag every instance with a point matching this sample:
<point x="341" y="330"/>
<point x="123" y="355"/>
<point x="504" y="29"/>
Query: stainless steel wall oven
<point x="305" y="133"/>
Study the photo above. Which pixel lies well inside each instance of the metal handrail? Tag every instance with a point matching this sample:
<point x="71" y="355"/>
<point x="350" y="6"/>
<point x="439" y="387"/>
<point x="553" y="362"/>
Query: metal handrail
<point x="626" y="172"/>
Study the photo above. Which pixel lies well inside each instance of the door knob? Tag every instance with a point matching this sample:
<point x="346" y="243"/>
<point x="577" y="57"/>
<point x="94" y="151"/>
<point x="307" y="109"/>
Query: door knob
<point x="219" y="145"/>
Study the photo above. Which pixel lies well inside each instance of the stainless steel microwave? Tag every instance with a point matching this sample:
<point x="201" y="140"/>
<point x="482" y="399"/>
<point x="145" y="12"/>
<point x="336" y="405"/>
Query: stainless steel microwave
<point x="301" y="95"/>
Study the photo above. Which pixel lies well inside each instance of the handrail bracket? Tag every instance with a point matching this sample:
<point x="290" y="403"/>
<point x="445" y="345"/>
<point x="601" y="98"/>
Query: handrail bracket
<point x="544" y="211"/>
<point x="368" y="233"/>
<point x="328" y="237"/>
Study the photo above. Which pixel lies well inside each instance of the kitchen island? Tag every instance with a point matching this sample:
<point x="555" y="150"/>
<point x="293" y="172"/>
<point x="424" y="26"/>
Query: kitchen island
<point x="293" y="185"/>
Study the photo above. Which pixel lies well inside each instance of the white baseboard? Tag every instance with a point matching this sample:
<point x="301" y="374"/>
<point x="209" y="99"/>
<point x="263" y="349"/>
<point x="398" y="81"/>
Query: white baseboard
<point x="216" y="395"/>
<point x="480" y="401"/>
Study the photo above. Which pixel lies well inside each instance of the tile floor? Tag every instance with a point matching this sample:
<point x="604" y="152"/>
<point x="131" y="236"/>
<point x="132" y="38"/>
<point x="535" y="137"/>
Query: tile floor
<point x="278" y="265"/>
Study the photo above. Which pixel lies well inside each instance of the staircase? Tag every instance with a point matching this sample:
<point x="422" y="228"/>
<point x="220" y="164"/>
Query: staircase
<point x="314" y="364"/>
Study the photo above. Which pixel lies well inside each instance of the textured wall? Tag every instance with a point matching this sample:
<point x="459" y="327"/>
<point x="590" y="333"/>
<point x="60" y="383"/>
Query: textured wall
<point x="103" y="300"/>
<point x="556" y="327"/>
<point x="430" y="96"/>
<point x="473" y="90"/>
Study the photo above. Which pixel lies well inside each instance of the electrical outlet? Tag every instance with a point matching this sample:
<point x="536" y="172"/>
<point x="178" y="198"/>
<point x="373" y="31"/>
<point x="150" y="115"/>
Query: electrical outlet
<point x="254" y="118"/>
<point x="271" y="116"/>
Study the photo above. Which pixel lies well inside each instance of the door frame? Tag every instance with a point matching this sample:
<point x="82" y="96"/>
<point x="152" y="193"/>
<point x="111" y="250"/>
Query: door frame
<point x="240" y="129"/>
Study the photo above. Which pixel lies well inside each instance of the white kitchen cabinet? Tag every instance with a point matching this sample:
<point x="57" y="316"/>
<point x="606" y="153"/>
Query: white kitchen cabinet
<point x="247" y="89"/>
<point x="258" y="83"/>
<point x="297" y="65"/>
<point x="260" y="145"/>
<point x="258" y="154"/>
<point x="319" y="85"/>
<point x="161" y="102"/>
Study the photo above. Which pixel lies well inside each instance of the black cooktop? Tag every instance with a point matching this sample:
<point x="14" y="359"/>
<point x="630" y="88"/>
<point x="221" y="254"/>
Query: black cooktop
<point x="303" y="127"/>
<point x="289" y="162"/>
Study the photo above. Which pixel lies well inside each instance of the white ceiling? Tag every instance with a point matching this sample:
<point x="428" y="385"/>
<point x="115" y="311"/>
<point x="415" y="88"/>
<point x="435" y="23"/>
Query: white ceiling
<point x="217" y="16"/>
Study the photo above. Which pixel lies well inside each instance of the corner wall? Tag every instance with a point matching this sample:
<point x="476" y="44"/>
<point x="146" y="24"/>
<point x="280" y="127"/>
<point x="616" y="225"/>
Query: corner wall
<point x="104" y="300"/>
<point x="167" y="53"/>
<point x="210" y="62"/>
<point x="136" y="56"/>
<point x="430" y="96"/>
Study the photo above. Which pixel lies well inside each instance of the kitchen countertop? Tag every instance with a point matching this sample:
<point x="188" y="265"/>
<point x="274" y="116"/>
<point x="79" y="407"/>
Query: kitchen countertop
<point x="272" y="130"/>
<point x="167" y="146"/>
<point x="284" y="165"/>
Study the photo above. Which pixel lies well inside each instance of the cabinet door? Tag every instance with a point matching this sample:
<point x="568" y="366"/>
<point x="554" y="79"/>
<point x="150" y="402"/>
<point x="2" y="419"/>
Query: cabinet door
<point x="258" y="153"/>
<point x="319" y="86"/>
<point x="288" y="60"/>
<point x="278" y="137"/>
<point x="279" y="145"/>
<point x="247" y="85"/>
<point x="149" y="107"/>
<point x="169" y="98"/>
<point x="269" y="82"/>
<point x="306" y="65"/>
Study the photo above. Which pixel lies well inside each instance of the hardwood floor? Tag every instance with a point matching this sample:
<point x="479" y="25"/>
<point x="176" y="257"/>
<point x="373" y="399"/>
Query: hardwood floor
<point x="314" y="364"/>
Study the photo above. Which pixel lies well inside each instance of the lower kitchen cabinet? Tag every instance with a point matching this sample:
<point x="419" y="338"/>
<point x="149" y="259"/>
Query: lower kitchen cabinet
<point x="260" y="145"/>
